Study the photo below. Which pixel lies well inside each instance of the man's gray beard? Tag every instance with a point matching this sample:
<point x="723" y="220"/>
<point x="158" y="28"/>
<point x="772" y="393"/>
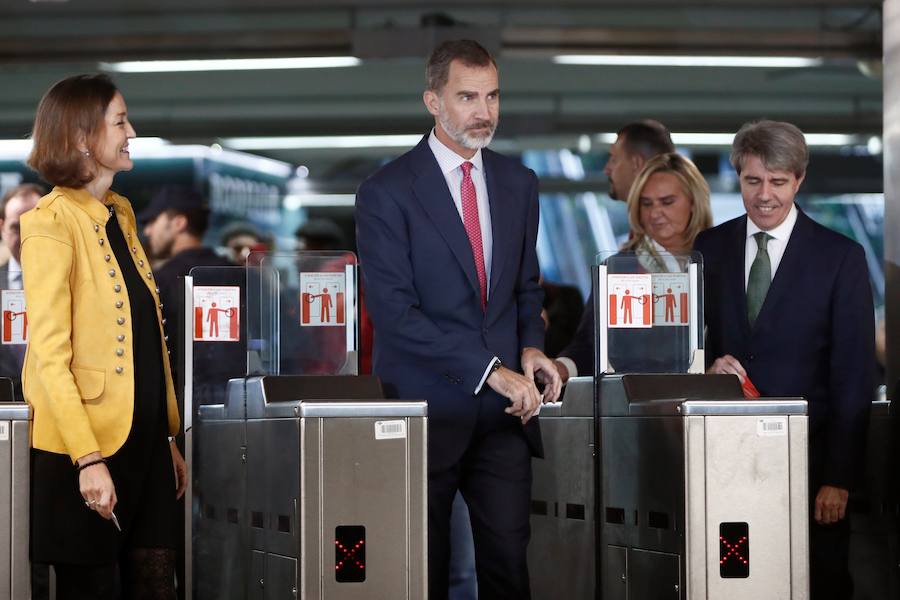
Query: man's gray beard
<point x="462" y="138"/>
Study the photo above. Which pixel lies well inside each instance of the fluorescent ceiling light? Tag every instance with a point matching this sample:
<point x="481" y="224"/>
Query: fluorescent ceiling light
<point x="298" y="201"/>
<point x="230" y="64"/>
<point x="725" y="139"/>
<point x="19" y="149"/>
<point x="324" y="142"/>
<point x="782" y="62"/>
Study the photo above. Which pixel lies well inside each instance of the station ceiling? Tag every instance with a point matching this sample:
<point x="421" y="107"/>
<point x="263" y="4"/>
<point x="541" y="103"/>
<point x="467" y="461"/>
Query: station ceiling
<point x="43" y="41"/>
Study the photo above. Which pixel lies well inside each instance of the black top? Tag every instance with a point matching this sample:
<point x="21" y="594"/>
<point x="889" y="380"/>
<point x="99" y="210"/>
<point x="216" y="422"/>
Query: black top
<point x="64" y="530"/>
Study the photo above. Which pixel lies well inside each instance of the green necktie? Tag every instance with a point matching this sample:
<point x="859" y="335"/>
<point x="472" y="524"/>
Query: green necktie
<point x="760" y="277"/>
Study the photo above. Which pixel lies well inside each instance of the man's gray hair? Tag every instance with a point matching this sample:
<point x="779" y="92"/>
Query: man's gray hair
<point x="779" y="145"/>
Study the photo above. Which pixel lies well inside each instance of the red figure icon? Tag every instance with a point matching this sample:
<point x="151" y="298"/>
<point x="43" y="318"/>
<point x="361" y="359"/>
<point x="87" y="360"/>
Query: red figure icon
<point x="213" y="318"/>
<point x="670" y="305"/>
<point x="325" y="314"/>
<point x="626" y="306"/>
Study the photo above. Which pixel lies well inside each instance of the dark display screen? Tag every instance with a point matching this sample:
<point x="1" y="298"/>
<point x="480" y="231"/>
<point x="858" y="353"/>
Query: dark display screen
<point x="734" y="550"/>
<point x="350" y="553"/>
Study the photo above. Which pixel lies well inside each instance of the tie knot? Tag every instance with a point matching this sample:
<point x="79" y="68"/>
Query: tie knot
<point x="466" y="168"/>
<point x="762" y="238"/>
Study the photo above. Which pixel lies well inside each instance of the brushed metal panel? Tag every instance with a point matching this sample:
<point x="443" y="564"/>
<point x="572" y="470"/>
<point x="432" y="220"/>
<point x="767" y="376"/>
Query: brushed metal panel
<point x="799" y="506"/>
<point x="21" y="506"/>
<point x="6" y="546"/>
<point x="695" y="508"/>
<point x="748" y="480"/>
<point x="365" y="483"/>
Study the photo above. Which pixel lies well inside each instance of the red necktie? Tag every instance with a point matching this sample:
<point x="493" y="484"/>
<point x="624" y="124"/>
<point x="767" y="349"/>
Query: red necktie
<point x="473" y="227"/>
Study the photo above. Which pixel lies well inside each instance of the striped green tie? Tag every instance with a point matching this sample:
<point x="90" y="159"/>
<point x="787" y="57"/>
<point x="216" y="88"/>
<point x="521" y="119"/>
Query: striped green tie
<point x="760" y="277"/>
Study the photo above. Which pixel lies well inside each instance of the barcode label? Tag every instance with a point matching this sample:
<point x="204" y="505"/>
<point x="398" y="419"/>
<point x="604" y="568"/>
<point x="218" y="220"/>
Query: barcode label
<point x="4" y="431"/>
<point x="772" y="426"/>
<point x="390" y="430"/>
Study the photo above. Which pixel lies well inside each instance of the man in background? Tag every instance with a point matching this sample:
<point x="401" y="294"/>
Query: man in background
<point x="636" y="143"/>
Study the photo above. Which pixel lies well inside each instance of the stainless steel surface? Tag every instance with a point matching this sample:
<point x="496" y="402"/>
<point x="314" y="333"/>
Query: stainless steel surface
<point x="297" y="478"/>
<point x="15" y="568"/>
<point x="186" y="351"/>
<point x="769" y="406"/>
<point x="367" y="409"/>
<point x="669" y="471"/>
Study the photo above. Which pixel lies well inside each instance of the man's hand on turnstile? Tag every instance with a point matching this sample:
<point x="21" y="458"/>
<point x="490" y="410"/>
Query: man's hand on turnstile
<point x="96" y="485"/>
<point x="727" y="365"/>
<point x="831" y="504"/>
<point x="523" y="396"/>
<point x="536" y="365"/>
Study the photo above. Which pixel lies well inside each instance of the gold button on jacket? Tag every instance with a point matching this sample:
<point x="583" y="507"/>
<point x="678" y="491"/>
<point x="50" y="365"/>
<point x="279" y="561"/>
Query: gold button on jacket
<point x="79" y="403"/>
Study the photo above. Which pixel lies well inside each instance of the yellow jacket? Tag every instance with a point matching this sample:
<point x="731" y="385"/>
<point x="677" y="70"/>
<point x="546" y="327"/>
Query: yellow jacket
<point x="79" y="367"/>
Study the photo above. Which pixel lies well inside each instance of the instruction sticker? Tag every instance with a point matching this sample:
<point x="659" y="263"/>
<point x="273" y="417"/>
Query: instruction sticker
<point x="630" y="300"/>
<point x="217" y="310"/>
<point x="771" y="426"/>
<point x="4" y="431"/>
<point x="671" y="305"/>
<point x="322" y="299"/>
<point x="390" y="430"/>
<point x="15" y="321"/>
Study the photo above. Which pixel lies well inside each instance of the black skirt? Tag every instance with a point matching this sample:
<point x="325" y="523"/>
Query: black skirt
<point x="63" y="529"/>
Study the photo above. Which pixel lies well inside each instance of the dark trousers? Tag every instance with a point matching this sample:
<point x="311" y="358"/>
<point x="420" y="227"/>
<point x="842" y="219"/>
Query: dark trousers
<point x="829" y="560"/>
<point x="494" y="477"/>
<point x="84" y="582"/>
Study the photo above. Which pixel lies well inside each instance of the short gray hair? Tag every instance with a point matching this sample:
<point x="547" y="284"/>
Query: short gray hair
<point x="779" y="145"/>
<point x="468" y="52"/>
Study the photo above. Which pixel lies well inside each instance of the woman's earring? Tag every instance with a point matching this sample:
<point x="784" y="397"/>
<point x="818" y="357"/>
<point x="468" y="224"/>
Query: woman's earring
<point x="86" y="153"/>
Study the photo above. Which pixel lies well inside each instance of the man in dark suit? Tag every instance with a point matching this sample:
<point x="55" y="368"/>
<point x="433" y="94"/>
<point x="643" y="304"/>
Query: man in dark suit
<point x="789" y="307"/>
<point x="14" y="204"/>
<point x="635" y="144"/>
<point x="446" y="237"/>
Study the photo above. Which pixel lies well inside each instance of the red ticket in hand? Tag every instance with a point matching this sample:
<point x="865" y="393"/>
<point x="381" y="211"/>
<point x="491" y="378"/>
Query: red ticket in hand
<point x="750" y="390"/>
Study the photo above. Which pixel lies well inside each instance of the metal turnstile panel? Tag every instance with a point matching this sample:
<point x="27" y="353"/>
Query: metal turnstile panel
<point x="221" y="531"/>
<point x="363" y="486"/>
<point x="562" y="510"/>
<point x="20" y="570"/>
<point x="754" y="491"/>
<point x="653" y="575"/>
<point x="6" y="545"/>
<point x="616" y="573"/>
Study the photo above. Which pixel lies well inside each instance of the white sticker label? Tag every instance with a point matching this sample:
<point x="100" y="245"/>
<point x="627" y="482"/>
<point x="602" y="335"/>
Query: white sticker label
<point x="772" y="426"/>
<point x="390" y="430"/>
<point x="4" y="431"/>
<point x="630" y="300"/>
<point x="15" y="321"/>
<point x="322" y="299"/>
<point x="217" y="311"/>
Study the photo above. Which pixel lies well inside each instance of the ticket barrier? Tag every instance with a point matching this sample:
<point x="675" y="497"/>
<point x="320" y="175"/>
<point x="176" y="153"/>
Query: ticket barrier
<point x="15" y="570"/>
<point x="310" y="487"/>
<point x="679" y="488"/>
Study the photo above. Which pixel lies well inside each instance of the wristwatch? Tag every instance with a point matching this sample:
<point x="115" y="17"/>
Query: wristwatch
<point x="494" y="366"/>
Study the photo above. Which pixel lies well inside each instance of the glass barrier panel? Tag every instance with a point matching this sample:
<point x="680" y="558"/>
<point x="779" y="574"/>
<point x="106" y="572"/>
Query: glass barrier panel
<point x="648" y="309"/>
<point x="14" y="334"/>
<point x="303" y="313"/>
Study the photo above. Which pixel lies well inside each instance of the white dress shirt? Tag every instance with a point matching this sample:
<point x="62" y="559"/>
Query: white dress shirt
<point x="450" y="164"/>
<point x="775" y="246"/>
<point x="13" y="274"/>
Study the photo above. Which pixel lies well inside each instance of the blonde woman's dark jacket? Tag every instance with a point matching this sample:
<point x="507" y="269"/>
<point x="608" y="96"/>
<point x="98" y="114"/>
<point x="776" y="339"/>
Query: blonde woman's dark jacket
<point x="79" y="367"/>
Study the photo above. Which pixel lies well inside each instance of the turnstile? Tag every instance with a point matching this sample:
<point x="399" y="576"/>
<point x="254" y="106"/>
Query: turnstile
<point x="313" y="488"/>
<point x="15" y="574"/>
<point x="692" y="493"/>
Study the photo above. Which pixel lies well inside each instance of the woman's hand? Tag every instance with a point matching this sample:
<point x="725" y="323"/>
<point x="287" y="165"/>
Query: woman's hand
<point x="96" y="485"/>
<point x="180" y="470"/>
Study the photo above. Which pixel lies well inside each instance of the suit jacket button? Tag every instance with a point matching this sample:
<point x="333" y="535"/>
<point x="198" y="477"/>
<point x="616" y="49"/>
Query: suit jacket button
<point x="119" y="303"/>
<point x="96" y="227"/>
<point x="120" y="370"/>
<point x="120" y="337"/>
<point x="107" y="258"/>
<point x="120" y="351"/>
<point x="117" y="288"/>
<point x="120" y="320"/>
<point x="112" y="272"/>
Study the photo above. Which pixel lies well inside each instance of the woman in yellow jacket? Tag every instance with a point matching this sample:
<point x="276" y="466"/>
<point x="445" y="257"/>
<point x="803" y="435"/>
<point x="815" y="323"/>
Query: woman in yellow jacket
<point x="105" y="474"/>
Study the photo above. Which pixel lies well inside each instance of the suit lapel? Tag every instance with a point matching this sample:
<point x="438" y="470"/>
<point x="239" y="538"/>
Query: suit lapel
<point x="736" y="281"/>
<point x="791" y="263"/>
<point x="430" y="189"/>
<point x="499" y="199"/>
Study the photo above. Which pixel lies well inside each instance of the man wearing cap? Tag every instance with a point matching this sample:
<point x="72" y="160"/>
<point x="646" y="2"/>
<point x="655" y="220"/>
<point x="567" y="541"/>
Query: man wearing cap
<point x="174" y="224"/>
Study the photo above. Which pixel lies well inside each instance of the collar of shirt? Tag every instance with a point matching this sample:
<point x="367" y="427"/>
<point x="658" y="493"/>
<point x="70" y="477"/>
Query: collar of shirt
<point x="780" y="233"/>
<point x="447" y="159"/>
<point x="776" y="246"/>
<point x="13" y="265"/>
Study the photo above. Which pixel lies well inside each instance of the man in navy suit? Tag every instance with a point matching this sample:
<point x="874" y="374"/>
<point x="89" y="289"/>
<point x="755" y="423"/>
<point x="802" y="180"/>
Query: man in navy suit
<point x="789" y="307"/>
<point x="446" y="237"/>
